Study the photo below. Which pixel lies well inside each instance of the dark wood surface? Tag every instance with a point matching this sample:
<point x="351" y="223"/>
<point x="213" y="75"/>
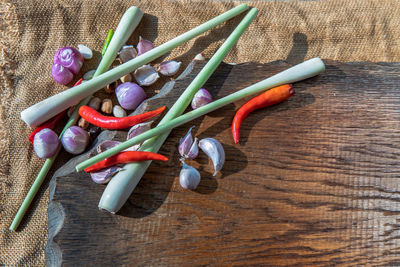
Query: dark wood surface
<point x="313" y="182"/>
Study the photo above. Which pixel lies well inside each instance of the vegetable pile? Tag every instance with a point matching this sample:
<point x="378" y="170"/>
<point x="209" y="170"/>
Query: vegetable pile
<point x="122" y="164"/>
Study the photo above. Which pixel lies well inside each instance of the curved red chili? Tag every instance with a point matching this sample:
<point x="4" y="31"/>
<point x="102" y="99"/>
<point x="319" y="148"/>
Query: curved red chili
<point x="108" y="122"/>
<point x="268" y="98"/>
<point x="125" y="157"/>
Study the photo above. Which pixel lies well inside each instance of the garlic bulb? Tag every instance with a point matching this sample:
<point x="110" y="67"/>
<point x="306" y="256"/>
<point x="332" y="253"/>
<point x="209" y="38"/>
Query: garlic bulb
<point x="214" y="151"/>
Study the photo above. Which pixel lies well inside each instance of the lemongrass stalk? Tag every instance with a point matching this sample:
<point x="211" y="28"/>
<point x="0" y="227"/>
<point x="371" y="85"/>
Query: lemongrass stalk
<point x="124" y="182"/>
<point x="128" y="23"/>
<point x="107" y="42"/>
<point x="299" y="72"/>
<point x="49" y="107"/>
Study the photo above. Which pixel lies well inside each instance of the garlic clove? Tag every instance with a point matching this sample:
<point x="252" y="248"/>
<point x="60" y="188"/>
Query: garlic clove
<point x="85" y="51"/>
<point x="201" y="98"/>
<point x="143" y="46"/>
<point x="189" y="177"/>
<point x="146" y="75"/>
<point x="194" y="150"/>
<point x="214" y="151"/>
<point x="104" y="176"/>
<point x="200" y="57"/>
<point x="169" y="68"/>
<point x="185" y="143"/>
<point x="127" y="53"/>
<point x="107" y="144"/>
<point x="119" y="112"/>
<point x="136" y="130"/>
<point x="88" y="75"/>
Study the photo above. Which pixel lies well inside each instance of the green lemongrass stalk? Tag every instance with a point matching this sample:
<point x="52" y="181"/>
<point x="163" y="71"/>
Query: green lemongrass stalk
<point x="299" y="72"/>
<point x="128" y="23"/>
<point x="107" y="42"/>
<point x="49" y="107"/>
<point x="124" y="182"/>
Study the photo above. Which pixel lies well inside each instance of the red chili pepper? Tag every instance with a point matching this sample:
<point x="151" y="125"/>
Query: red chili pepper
<point x="51" y="123"/>
<point x="268" y="98"/>
<point x="108" y="122"/>
<point x="125" y="157"/>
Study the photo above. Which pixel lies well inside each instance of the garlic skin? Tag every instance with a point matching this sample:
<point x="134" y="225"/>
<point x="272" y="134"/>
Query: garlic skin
<point x="189" y="177"/>
<point x="187" y="148"/>
<point x="127" y="53"/>
<point x="105" y="175"/>
<point x="169" y="68"/>
<point x="136" y="130"/>
<point x="107" y="144"/>
<point x="214" y="151"/>
<point x="143" y="46"/>
<point x="194" y="150"/>
<point x="201" y="98"/>
<point x="89" y="75"/>
<point x="146" y="75"/>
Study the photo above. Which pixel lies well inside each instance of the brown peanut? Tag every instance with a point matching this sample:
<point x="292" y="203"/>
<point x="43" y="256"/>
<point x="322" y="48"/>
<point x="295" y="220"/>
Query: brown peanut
<point x="107" y="106"/>
<point x="83" y="123"/>
<point x="126" y="78"/>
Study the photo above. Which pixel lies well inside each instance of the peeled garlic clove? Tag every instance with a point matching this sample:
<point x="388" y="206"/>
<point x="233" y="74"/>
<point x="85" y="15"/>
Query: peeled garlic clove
<point x="189" y="177"/>
<point x="214" y="151"/>
<point x="119" y="112"/>
<point x="85" y="51"/>
<point x="201" y="98"/>
<point x="104" y="176"/>
<point x="169" y="68"/>
<point x="185" y="143"/>
<point x="103" y="146"/>
<point x="127" y="53"/>
<point x="136" y="130"/>
<point x="146" y="75"/>
<point x="89" y="75"/>
<point x="199" y="57"/>
<point x="194" y="150"/>
<point x="143" y="46"/>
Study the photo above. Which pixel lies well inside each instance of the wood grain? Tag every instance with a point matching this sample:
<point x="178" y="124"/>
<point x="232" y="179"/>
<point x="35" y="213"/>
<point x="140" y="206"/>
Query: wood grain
<point x="313" y="182"/>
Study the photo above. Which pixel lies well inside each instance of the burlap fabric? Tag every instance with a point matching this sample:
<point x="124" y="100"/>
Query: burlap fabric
<point x="30" y="33"/>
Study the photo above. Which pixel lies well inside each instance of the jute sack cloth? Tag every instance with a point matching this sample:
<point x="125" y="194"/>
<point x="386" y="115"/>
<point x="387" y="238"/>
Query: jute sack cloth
<point x="31" y="31"/>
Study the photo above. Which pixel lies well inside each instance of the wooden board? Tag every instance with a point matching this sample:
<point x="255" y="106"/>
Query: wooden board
<point x="314" y="182"/>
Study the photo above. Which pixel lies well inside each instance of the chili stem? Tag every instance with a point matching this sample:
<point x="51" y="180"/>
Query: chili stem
<point x="107" y="42"/>
<point x="299" y="72"/>
<point x="42" y="111"/>
<point x="126" y="26"/>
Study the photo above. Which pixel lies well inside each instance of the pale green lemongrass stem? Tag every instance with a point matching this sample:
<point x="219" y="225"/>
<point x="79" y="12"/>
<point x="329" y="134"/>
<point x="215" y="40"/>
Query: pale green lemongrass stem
<point x="126" y="26"/>
<point x="124" y="182"/>
<point x="49" y="107"/>
<point x="299" y="72"/>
